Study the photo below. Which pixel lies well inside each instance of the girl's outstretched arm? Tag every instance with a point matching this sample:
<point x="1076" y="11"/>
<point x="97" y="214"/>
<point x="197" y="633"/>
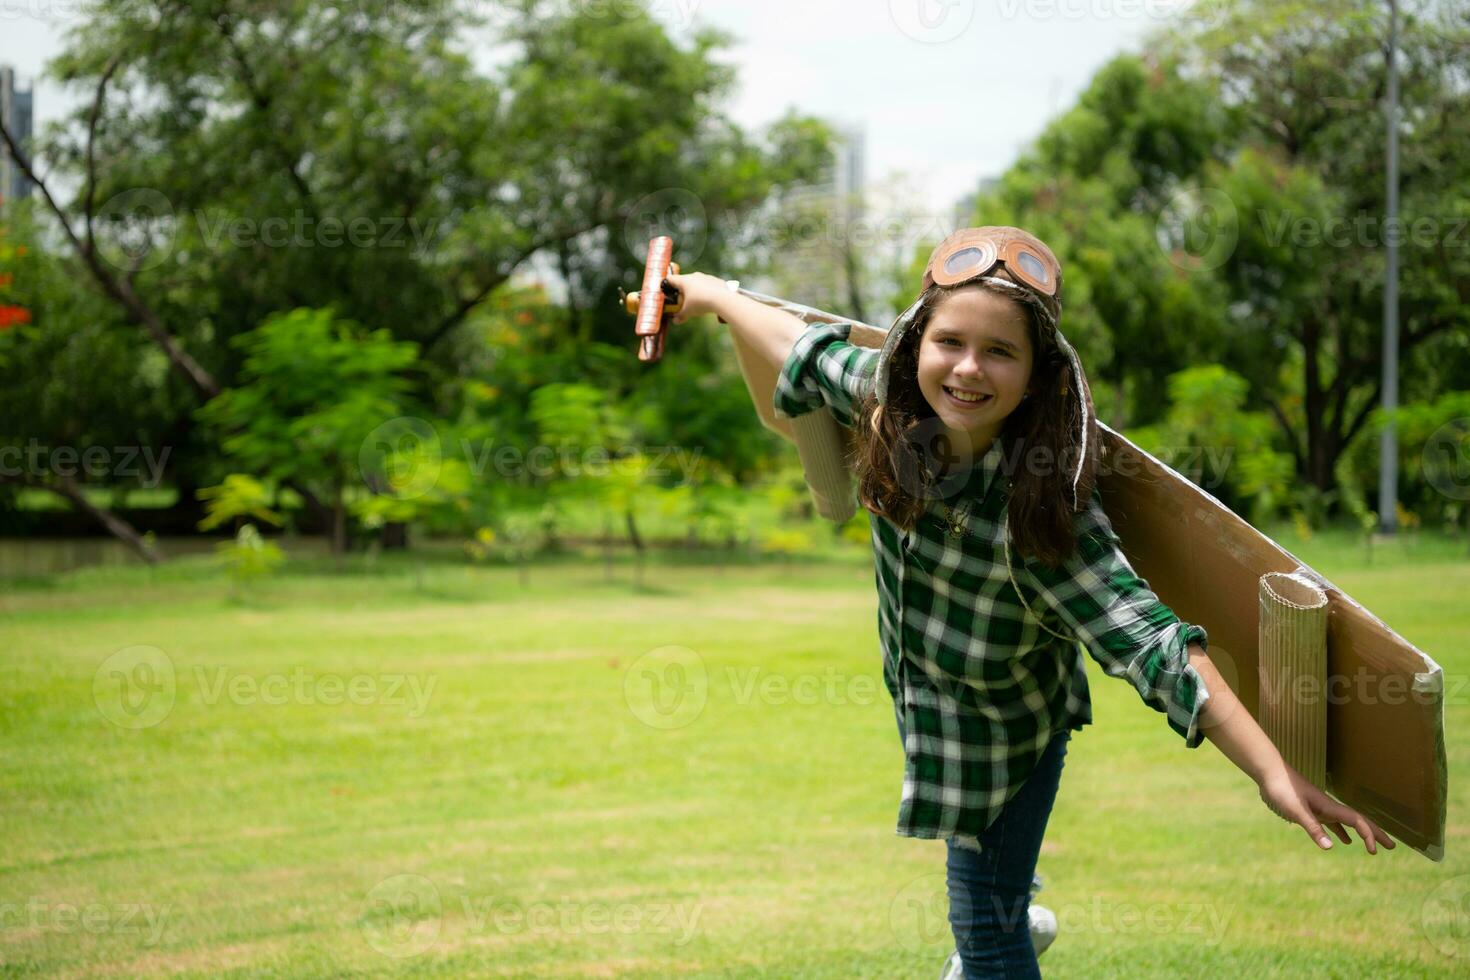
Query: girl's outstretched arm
<point x="1124" y="626"/>
<point x="1286" y="792"/>
<point x="768" y="330"/>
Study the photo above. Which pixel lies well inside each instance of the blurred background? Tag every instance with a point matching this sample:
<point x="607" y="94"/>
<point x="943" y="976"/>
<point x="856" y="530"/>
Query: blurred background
<point x="297" y="258"/>
<point x="313" y="366"/>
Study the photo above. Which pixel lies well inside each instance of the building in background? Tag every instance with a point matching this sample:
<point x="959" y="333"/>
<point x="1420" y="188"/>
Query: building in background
<point x="849" y="167"/>
<point x="17" y="112"/>
<point x="843" y="180"/>
<point x="817" y="230"/>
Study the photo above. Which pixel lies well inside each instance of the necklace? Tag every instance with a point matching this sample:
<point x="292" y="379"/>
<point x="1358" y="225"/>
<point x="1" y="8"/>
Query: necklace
<point x="957" y="519"/>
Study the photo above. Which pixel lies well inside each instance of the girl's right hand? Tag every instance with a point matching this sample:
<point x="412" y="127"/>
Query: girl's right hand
<point x="702" y="293"/>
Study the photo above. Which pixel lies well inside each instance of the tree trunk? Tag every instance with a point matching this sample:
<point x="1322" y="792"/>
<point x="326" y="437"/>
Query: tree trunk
<point x="551" y="541"/>
<point x="638" y="550"/>
<point x="321" y="515"/>
<point x="339" y="523"/>
<point x="395" y="536"/>
<point x="607" y="549"/>
<point x="852" y="277"/>
<point x="115" y="525"/>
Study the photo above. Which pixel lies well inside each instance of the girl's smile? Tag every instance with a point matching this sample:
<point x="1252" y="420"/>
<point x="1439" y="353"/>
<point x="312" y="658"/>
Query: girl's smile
<point x="966" y="399"/>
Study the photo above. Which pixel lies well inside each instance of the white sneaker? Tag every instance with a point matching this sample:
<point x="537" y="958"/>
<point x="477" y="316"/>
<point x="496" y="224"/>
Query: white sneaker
<point x="1043" y="921"/>
<point x="1043" y="928"/>
<point x="1043" y="924"/>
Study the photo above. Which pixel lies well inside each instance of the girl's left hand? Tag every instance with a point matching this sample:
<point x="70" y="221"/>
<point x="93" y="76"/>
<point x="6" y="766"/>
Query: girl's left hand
<point x="1292" y="798"/>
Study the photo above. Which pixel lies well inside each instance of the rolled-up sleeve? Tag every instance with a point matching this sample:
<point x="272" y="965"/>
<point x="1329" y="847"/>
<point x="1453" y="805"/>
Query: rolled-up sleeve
<point x="823" y="368"/>
<point x="1121" y="622"/>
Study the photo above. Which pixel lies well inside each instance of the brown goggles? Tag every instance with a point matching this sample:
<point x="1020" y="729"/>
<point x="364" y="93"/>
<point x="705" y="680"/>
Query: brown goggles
<point x="974" y="252"/>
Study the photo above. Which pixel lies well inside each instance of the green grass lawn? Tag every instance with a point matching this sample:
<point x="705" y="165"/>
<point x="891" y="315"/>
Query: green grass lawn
<point x="431" y="769"/>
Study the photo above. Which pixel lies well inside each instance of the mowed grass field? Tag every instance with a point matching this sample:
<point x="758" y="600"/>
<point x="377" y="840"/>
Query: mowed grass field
<point x="436" y="770"/>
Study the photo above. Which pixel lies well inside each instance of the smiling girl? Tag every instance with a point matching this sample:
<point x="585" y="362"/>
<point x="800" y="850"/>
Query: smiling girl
<point x="996" y="568"/>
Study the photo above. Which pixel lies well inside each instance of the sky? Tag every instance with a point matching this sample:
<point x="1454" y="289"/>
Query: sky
<point x="948" y="91"/>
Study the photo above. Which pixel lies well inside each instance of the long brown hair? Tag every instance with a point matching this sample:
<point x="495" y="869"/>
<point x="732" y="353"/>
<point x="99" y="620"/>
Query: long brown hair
<point x="1040" y="440"/>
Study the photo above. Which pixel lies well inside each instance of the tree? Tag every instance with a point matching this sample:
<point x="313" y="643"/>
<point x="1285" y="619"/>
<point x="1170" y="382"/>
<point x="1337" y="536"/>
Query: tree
<point x="1096" y="187"/>
<point x="1221" y="198"/>
<point x="315" y="389"/>
<point x="1305" y="274"/>
<point x="82" y="407"/>
<point x="241" y="158"/>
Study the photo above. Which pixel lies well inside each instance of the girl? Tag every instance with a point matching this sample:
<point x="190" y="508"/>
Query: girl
<point x="976" y="460"/>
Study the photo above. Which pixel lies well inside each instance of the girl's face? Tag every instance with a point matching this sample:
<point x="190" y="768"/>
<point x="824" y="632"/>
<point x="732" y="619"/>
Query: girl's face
<point x="977" y="343"/>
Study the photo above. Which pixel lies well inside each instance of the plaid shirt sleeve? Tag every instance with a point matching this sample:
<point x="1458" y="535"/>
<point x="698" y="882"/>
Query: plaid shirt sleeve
<point x="1122" y="623"/>
<point x="823" y="368"/>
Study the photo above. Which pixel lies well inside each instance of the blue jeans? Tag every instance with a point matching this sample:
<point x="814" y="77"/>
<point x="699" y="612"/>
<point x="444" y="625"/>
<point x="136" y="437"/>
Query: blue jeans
<point x="990" y="890"/>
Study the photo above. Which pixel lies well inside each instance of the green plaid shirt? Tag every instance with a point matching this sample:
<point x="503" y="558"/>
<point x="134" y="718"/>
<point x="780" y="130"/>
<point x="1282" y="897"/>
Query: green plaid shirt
<point x="979" y="686"/>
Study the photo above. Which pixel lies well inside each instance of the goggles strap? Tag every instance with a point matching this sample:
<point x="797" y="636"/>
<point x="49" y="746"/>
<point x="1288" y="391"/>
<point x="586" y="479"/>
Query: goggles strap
<point x="1081" y="394"/>
<point x="895" y="334"/>
<point x="1011" y="573"/>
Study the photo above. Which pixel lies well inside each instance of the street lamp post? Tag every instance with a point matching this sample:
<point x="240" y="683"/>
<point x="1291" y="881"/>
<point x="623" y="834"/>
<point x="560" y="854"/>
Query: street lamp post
<point x="1388" y="456"/>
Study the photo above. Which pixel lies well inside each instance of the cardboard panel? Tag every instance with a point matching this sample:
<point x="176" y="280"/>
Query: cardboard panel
<point x="1385" y="725"/>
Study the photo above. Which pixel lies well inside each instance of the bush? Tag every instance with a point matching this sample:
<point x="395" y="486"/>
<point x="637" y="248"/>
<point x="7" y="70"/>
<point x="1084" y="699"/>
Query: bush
<point x="1209" y="437"/>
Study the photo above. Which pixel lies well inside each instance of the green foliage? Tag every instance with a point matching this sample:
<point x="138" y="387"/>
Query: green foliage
<point x="1096" y="187"/>
<point x="604" y="89"/>
<point x="858" y="529"/>
<point x="684" y="403"/>
<point x="787" y="493"/>
<point x="1220" y="200"/>
<point x="787" y="541"/>
<point x="1176" y="191"/>
<point x="517" y="538"/>
<point x="575" y="415"/>
<point x="1209" y="436"/>
<point x="14" y="314"/>
<point x="411" y="476"/>
<point x="238" y="497"/>
<point x="314" y="390"/>
<point x="596" y="457"/>
<point x="249" y="557"/>
<point x="1433" y="460"/>
<point x="711" y="502"/>
<point x="426" y="178"/>
<point x="1305" y="273"/>
<point x="74" y="377"/>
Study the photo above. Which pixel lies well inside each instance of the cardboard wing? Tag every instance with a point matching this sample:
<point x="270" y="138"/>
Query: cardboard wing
<point x="1380" y="738"/>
